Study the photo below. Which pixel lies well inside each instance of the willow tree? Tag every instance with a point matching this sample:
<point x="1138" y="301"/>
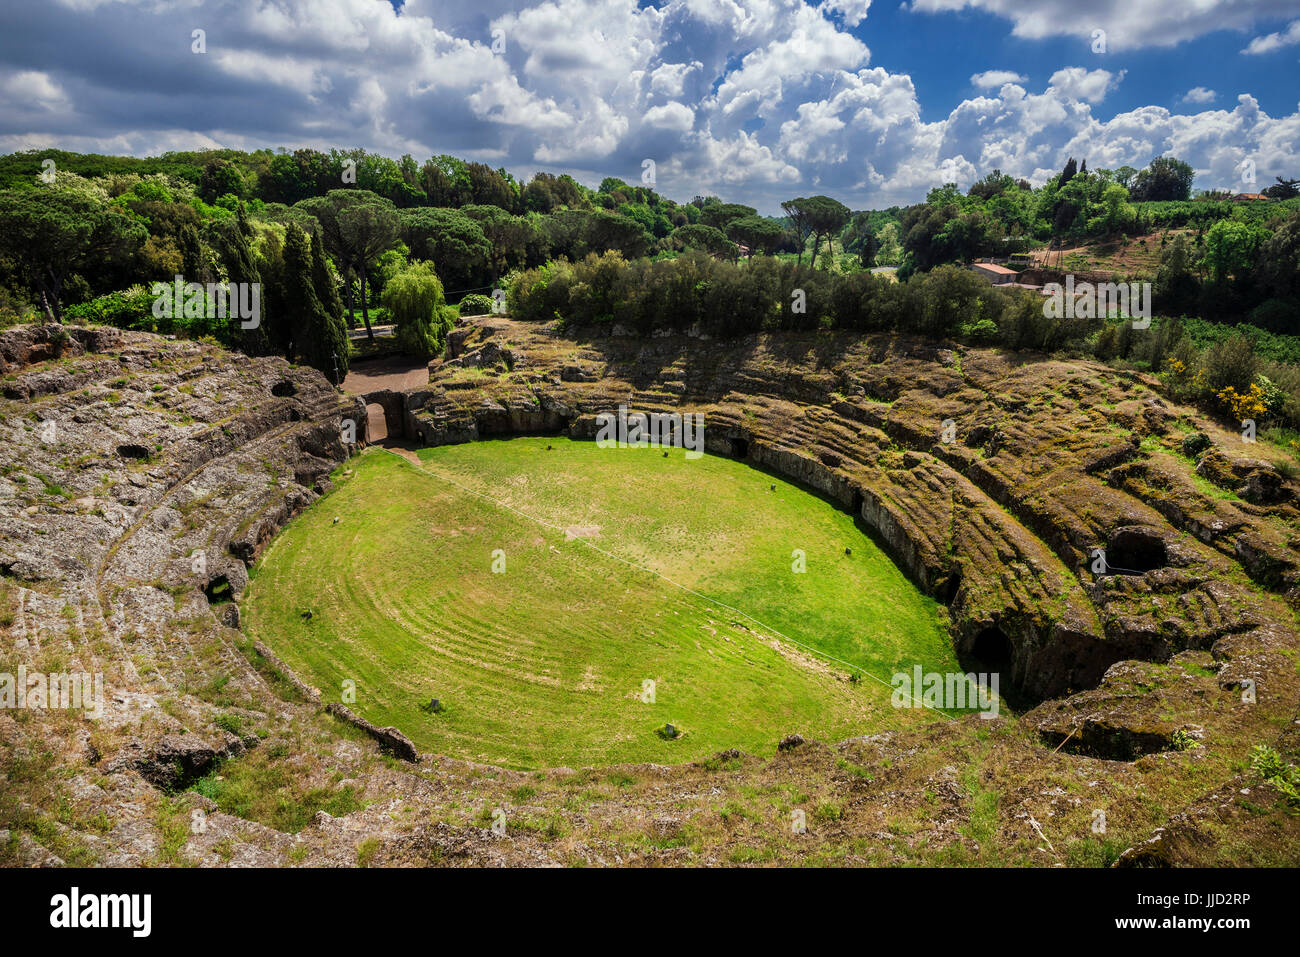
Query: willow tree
<point x="414" y="299"/>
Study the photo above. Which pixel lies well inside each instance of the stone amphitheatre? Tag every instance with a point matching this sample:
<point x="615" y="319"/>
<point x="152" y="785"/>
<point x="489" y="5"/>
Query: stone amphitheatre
<point x="144" y="478"/>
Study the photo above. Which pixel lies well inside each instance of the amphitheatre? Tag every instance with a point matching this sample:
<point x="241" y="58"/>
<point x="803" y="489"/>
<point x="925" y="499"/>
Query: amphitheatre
<point x="371" y="625"/>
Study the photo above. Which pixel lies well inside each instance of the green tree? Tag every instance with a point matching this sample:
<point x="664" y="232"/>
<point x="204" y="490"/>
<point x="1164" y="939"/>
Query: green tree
<point x="219" y="178"/>
<point x="1067" y="174"/>
<point x="1231" y="248"/>
<point x="722" y="215"/>
<point x="446" y="181"/>
<point x="492" y="187"/>
<point x="293" y="177"/>
<point x="327" y="349"/>
<point x="454" y="242"/>
<point x="708" y="238"/>
<point x="756" y="232"/>
<point x="867" y="251"/>
<point x="414" y="299"/>
<point x="340" y="245"/>
<point x="546" y="192"/>
<point x="826" y="217"/>
<point x="506" y="234"/>
<point x="1176" y="286"/>
<point x="1166" y="178"/>
<point x="797" y="212"/>
<point x="1118" y="214"/>
<point x="367" y="231"/>
<point x="50" y="234"/>
<point x="1277" y="267"/>
<point x="1283" y="189"/>
<point x="237" y="258"/>
<point x="194" y="264"/>
<point x="302" y="317"/>
<point x="609" y="231"/>
<point x="891" y="249"/>
<point x="1124" y="176"/>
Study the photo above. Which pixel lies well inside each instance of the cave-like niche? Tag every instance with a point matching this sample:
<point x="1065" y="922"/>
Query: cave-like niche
<point x="219" y="590"/>
<point x="947" y="590"/>
<point x="991" y="651"/>
<point x="1135" y="550"/>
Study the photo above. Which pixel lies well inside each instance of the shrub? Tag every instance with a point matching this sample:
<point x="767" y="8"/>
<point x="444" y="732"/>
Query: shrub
<point x="596" y="282"/>
<point x="951" y="296"/>
<point x="1195" y="444"/>
<point x="127" y="309"/>
<point x="1230" y="365"/>
<point x="1274" y="769"/>
<point x="1106" y="346"/>
<point x="1242" y="405"/>
<point x="14" y="308"/>
<point x="1271" y="397"/>
<point x="540" y="295"/>
<point x="475" y="304"/>
<point x="745" y="299"/>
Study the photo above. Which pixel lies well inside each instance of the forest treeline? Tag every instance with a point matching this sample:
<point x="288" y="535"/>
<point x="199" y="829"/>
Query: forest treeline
<point x="340" y="238"/>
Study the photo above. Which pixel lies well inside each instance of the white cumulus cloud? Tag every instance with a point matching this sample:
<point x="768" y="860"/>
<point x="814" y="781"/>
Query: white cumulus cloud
<point x="671" y="116"/>
<point x="993" y="79"/>
<point x="1127" y="24"/>
<point x="1274" y="41"/>
<point x="1079" y="83"/>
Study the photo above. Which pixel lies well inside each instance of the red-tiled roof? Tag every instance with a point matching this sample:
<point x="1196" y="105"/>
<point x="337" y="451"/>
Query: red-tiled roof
<point x="995" y="269"/>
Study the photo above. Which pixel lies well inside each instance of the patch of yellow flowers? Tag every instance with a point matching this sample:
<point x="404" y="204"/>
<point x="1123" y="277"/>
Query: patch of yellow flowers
<point x="1243" y="405"/>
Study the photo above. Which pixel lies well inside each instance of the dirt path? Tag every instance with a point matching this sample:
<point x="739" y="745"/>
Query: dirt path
<point x="397" y="373"/>
<point x="376" y="422"/>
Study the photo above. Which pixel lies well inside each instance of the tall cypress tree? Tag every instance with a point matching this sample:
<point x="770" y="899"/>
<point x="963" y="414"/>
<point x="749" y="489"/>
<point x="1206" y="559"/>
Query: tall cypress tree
<point x="333" y="336"/>
<point x="192" y="259"/>
<point x="237" y="259"/>
<point x="302" y="310"/>
<point x="316" y="328"/>
<point x="275" y="304"/>
<point x="1067" y="174"/>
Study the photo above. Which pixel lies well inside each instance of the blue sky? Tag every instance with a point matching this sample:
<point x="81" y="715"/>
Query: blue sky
<point x="754" y="100"/>
<point x="942" y="51"/>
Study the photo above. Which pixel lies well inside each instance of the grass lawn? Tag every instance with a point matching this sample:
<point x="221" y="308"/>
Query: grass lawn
<point x="544" y="663"/>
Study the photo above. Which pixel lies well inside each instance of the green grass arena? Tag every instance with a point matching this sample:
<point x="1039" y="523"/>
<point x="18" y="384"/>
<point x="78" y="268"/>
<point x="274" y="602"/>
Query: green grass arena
<point x="472" y="579"/>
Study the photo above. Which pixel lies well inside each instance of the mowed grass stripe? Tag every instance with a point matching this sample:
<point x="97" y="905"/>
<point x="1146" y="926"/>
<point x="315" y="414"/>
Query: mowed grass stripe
<point x="542" y="665"/>
<point x="714" y="525"/>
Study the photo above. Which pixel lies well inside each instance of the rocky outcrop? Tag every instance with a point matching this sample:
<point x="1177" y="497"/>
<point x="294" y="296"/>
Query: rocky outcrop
<point x="143" y="477"/>
<point x="390" y="739"/>
<point x="28" y="345"/>
<point x="175" y="761"/>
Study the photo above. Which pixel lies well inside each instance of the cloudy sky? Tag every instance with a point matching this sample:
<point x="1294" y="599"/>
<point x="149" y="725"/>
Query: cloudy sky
<point x="872" y="101"/>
